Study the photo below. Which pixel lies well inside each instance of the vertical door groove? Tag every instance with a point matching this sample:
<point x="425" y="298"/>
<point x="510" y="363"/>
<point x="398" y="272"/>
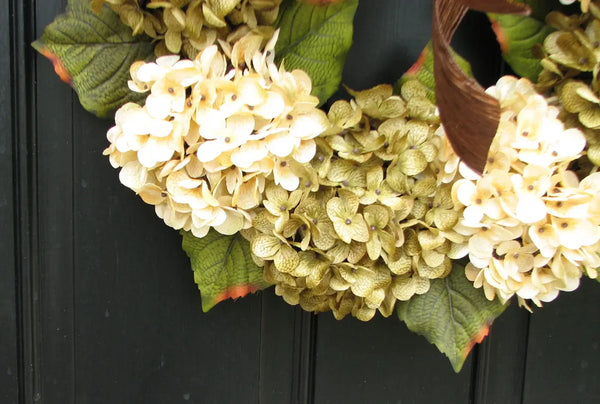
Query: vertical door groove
<point x="22" y="25"/>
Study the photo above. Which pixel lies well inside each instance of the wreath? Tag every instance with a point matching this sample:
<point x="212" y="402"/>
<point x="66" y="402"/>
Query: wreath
<point x="432" y="199"/>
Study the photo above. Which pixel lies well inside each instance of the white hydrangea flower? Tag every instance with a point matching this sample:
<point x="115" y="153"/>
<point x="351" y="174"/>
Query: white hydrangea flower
<point x="532" y="225"/>
<point x="210" y="135"/>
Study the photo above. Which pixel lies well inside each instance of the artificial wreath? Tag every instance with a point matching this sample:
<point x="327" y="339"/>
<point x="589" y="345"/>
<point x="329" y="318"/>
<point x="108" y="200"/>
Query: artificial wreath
<point x="433" y="199"/>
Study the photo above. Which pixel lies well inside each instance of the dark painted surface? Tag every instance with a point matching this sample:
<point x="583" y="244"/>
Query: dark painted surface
<point x="8" y="246"/>
<point x="98" y="303"/>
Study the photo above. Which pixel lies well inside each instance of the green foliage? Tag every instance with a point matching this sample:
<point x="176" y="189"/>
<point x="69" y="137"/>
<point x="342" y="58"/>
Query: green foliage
<point x="93" y="52"/>
<point x="518" y="36"/>
<point x="422" y="70"/>
<point x="316" y="39"/>
<point x="453" y="315"/>
<point x="223" y="267"/>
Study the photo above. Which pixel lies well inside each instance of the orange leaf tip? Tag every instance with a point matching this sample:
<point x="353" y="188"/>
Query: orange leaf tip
<point x="500" y="36"/>
<point x="59" y="67"/>
<point x="235" y="292"/>
<point x="477" y="339"/>
<point x="414" y="69"/>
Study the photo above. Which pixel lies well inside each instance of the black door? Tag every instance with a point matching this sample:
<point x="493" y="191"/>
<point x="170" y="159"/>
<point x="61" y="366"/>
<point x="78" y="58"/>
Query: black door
<point x="98" y="303"/>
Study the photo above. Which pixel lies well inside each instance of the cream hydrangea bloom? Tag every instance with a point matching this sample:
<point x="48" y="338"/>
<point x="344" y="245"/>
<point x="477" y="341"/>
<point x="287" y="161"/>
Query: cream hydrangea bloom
<point x="378" y="226"/>
<point x="533" y="226"/>
<point x="585" y="4"/>
<point x="210" y="135"/>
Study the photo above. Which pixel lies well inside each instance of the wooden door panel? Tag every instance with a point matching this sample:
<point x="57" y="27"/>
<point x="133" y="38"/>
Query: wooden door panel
<point x="563" y="352"/>
<point x="99" y="304"/>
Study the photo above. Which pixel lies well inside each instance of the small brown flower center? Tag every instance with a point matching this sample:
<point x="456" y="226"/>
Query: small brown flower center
<point x="348" y="221"/>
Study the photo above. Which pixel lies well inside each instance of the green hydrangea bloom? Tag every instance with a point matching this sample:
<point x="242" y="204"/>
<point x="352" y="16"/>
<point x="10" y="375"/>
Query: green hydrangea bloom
<point x="378" y="227"/>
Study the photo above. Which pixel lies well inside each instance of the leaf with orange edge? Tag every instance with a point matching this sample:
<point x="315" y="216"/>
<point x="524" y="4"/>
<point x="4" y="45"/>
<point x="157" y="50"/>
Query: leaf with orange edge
<point x="518" y="35"/>
<point x="453" y="315"/>
<point x="223" y="267"/>
<point x="470" y="116"/>
<point x="422" y="70"/>
<point x="92" y="52"/>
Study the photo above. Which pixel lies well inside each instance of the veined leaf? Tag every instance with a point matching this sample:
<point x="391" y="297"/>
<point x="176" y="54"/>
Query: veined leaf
<point x="92" y="52"/>
<point x="517" y="36"/>
<point x="316" y="39"/>
<point x="453" y="315"/>
<point x="223" y="267"/>
<point x="422" y="70"/>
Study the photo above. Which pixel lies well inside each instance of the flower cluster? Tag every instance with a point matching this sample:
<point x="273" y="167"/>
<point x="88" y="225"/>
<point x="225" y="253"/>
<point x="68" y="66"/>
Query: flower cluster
<point x="209" y="137"/>
<point x="533" y="226"/>
<point x="187" y="27"/>
<point x="372" y="221"/>
<point x="570" y="63"/>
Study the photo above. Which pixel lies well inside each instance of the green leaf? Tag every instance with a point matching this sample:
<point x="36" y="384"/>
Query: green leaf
<point x="316" y="39"/>
<point x="453" y="315"/>
<point x="223" y="267"/>
<point x="422" y="70"/>
<point x="517" y="36"/>
<point x="93" y="52"/>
